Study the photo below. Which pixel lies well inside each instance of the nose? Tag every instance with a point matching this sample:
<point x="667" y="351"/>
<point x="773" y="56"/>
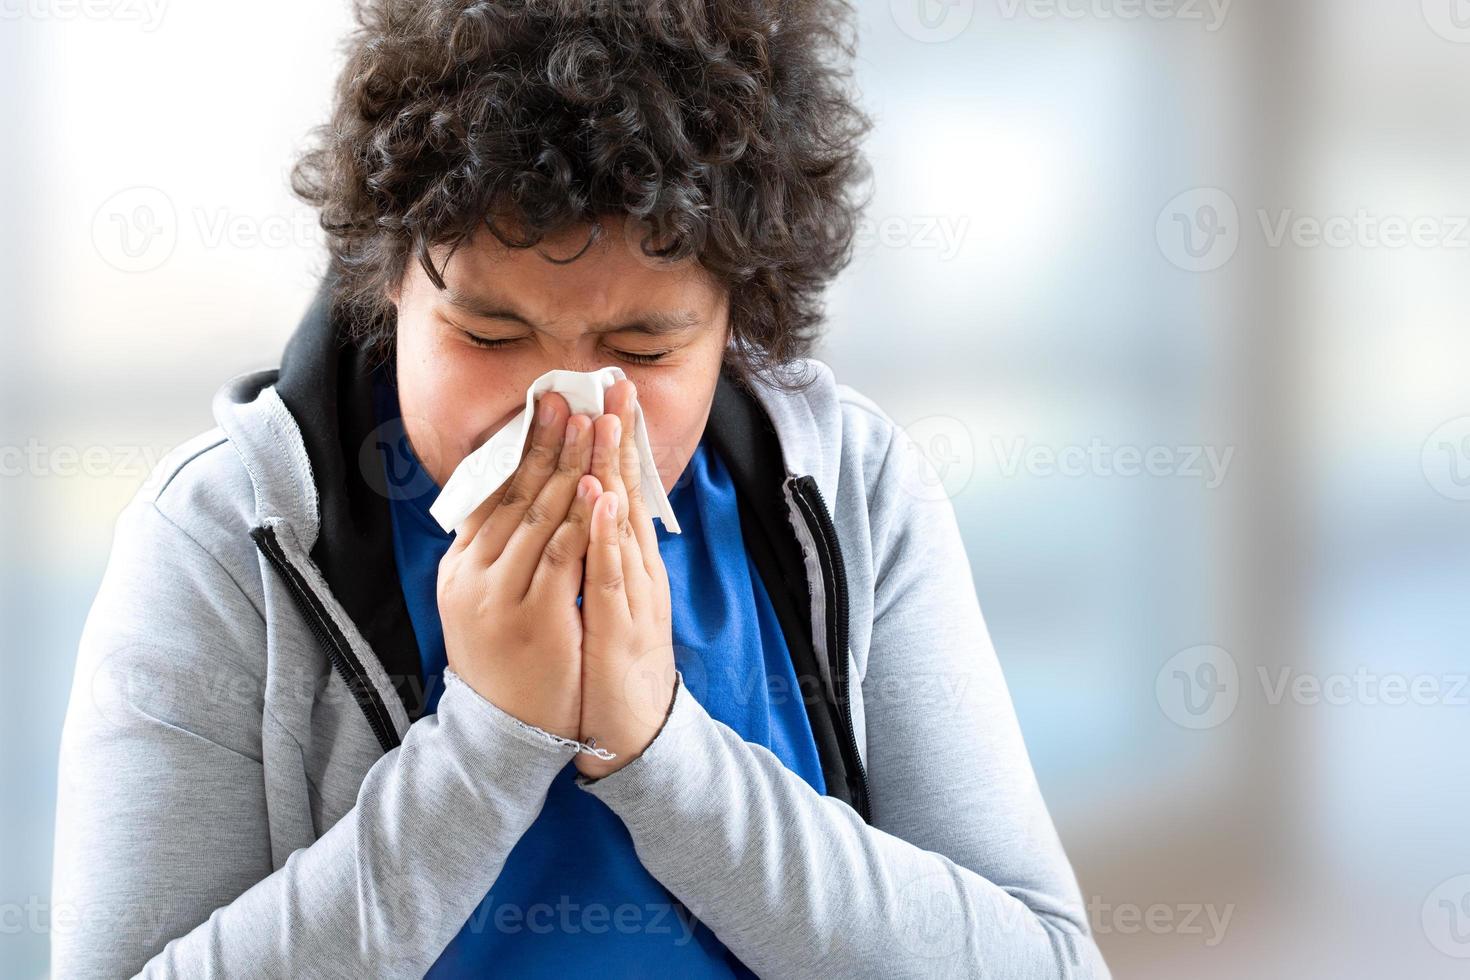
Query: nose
<point x="580" y="355"/>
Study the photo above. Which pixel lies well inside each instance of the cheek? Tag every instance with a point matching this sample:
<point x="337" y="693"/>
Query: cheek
<point x="450" y="403"/>
<point x="675" y="415"/>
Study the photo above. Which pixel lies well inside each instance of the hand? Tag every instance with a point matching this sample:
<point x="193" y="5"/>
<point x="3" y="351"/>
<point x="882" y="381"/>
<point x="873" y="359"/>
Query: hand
<point x="507" y="588"/>
<point x="627" y="636"/>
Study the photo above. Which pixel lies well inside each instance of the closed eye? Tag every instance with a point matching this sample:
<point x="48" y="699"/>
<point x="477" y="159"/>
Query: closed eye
<point x="489" y="343"/>
<point x="641" y="358"/>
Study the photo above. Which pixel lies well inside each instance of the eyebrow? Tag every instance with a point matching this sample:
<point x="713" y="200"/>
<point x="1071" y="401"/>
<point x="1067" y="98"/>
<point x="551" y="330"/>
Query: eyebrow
<point x="654" y="322"/>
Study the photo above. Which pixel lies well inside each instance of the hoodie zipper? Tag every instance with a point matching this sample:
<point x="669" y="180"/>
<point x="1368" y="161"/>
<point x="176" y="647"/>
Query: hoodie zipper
<point x="330" y="638"/>
<point x="814" y="511"/>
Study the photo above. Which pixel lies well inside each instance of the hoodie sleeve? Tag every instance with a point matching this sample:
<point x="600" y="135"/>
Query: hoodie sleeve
<point x="163" y="859"/>
<point x="962" y="873"/>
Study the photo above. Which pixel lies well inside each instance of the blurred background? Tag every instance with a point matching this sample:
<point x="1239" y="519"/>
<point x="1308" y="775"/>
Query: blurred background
<point x="1172" y="291"/>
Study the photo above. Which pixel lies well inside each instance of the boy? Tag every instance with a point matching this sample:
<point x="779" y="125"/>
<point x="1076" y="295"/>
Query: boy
<point x="314" y="734"/>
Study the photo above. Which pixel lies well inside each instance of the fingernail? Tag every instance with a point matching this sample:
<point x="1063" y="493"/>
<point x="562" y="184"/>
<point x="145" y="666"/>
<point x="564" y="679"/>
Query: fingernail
<point x="611" y="507"/>
<point x="545" y="414"/>
<point x="581" y="489"/>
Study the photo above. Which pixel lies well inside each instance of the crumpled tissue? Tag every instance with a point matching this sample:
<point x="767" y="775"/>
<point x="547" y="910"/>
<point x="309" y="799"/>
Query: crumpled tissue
<point x="484" y="471"/>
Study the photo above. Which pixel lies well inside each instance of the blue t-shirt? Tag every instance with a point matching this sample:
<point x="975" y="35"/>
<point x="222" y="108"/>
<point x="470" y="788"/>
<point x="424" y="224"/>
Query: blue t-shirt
<point x="573" y="898"/>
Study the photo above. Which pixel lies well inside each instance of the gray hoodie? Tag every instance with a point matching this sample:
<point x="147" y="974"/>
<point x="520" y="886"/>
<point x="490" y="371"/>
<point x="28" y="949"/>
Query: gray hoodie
<point x="243" y="790"/>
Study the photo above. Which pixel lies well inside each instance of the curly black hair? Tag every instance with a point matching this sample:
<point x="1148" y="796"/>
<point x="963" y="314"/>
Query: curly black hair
<point x="727" y="128"/>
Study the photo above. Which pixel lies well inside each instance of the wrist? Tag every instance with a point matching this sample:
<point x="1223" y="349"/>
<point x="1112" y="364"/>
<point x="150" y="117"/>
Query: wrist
<point x="594" y="768"/>
<point x="556" y="747"/>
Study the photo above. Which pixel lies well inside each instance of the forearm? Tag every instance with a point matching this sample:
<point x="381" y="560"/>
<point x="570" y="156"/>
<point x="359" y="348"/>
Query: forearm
<point x="795" y="884"/>
<point x="380" y="893"/>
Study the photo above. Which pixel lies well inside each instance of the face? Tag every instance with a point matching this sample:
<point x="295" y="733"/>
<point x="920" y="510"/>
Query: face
<point x="467" y="354"/>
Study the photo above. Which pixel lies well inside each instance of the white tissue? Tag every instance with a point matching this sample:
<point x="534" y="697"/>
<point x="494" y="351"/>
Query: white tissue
<point x="485" y="469"/>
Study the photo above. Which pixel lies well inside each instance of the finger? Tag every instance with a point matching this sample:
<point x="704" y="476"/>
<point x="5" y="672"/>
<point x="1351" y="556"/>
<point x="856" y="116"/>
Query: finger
<point x="548" y="431"/>
<point x="636" y="583"/>
<point x="540" y="520"/>
<point x="648" y="551"/>
<point x="607" y="433"/>
<point x="640" y="541"/>
<point x="565" y="556"/>
<point x="640" y="515"/>
<point x="476" y="521"/>
<point x="470" y="528"/>
<point x="603" y="598"/>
